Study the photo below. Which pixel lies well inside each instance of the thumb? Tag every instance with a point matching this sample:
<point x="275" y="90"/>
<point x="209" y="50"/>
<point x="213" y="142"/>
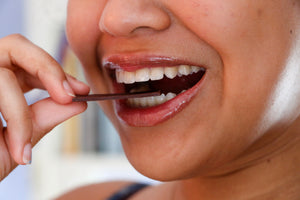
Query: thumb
<point x="47" y="114"/>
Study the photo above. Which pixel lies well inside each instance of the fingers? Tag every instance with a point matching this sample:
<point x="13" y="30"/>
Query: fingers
<point x="17" y="115"/>
<point x="79" y="87"/>
<point x="26" y="125"/>
<point x="47" y="114"/>
<point x="22" y="66"/>
<point x="17" y="52"/>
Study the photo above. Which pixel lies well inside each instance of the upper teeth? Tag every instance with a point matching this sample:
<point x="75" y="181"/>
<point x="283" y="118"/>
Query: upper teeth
<point x="155" y="73"/>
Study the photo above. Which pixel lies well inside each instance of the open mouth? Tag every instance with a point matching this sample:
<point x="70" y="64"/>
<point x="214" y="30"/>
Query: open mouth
<point x="171" y="81"/>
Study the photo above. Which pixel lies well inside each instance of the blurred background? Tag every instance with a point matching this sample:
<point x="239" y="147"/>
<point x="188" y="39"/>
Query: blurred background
<point x="85" y="149"/>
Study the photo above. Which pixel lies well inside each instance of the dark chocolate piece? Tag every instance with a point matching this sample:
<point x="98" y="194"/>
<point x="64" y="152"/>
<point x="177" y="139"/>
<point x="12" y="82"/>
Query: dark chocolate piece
<point x="101" y="97"/>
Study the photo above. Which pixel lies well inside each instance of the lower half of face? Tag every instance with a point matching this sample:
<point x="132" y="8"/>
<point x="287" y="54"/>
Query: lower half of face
<point x="228" y="73"/>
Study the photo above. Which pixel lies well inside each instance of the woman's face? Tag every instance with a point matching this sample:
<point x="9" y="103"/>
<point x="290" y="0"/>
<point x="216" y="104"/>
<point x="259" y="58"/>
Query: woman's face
<point x="241" y="91"/>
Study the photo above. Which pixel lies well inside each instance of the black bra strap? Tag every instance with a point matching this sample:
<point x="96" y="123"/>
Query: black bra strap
<point x="128" y="191"/>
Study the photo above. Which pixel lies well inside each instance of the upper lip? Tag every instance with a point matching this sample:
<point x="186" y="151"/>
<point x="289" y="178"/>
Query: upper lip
<point x="134" y="62"/>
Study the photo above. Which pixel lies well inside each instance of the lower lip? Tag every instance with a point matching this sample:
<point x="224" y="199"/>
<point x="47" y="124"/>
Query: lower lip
<point x="145" y="117"/>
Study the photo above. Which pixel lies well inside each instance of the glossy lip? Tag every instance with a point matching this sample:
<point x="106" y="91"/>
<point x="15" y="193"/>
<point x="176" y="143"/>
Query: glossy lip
<point x="132" y="63"/>
<point x="144" y="117"/>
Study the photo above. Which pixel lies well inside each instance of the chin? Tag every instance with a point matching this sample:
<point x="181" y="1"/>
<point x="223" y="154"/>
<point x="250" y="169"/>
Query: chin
<point x="164" y="154"/>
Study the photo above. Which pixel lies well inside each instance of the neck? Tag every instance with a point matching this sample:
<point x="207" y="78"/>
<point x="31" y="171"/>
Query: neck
<point x="275" y="176"/>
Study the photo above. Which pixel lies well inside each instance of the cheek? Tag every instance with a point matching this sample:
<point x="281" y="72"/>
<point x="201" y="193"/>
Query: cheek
<point x="82" y="28"/>
<point x="83" y="35"/>
<point x="252" y="38"/>
<point x="254" y="42"/>
<point x="234" y="24"/>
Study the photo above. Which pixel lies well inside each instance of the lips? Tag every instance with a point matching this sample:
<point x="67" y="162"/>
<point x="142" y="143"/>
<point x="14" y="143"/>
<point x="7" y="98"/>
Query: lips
<point x="178" y="81"/>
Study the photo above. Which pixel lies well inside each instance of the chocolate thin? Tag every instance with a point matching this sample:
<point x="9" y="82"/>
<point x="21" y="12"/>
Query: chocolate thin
<point x="101" y="97"/>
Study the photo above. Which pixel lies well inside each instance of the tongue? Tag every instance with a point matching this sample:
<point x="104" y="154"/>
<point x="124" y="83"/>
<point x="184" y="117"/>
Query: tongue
<point x="166" y="85"/>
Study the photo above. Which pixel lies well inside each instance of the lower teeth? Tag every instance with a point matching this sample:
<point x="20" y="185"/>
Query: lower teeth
<point x="145" y="102"/>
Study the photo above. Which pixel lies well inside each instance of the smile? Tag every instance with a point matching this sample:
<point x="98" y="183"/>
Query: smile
<point x="177" y="82"/>
<point x="171" y="81"/>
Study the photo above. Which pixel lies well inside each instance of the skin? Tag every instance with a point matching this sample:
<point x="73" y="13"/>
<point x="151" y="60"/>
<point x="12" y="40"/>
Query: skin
<point x="247" y="111"/>
<point x="22" y="69"/>
<point x="242" y="141"/>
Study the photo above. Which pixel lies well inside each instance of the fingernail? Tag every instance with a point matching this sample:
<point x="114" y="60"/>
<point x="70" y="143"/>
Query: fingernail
<point x="68" y="89"/>
<point x="27" y="154"/>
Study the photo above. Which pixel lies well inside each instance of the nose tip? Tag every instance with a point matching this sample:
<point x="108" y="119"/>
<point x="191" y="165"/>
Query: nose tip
<point x="124" y="18"/>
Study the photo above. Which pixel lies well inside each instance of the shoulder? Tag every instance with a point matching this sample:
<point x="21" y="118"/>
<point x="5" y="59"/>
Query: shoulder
<point x="95" y="191"/>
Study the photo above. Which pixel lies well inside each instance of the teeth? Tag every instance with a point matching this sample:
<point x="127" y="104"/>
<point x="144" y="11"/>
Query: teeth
<point x="150" y="101"/>
<point x="142" y="102"/>
<point x="170" y="96"/>
<point x="142" y="75"/>
<point x="184" y="70"/>
<point x="145" y="102"/>
<point x="195" y="69"/>
<point x="171" y="72"/>
<point x="119" y="75"/>
<point x="128" y="77"/>
<point x="160" y="99"/>
<point x="156" y="73"/>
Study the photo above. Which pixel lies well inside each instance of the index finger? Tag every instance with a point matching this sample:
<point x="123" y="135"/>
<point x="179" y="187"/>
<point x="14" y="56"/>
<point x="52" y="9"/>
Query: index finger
<point x="17" y="51"/>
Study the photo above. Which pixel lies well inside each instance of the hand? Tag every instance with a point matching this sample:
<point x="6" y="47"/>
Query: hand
<point x="24" y="66"/>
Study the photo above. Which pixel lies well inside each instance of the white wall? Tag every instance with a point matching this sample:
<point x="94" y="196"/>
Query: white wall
<point x="44" y="22"/>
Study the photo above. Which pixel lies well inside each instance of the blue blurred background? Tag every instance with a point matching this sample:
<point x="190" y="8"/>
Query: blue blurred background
<point x="11" y="17"/>
<point x="16" y="186"/>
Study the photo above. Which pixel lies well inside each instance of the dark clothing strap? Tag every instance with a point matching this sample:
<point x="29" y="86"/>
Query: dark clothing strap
<point x="128" y="191"/>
